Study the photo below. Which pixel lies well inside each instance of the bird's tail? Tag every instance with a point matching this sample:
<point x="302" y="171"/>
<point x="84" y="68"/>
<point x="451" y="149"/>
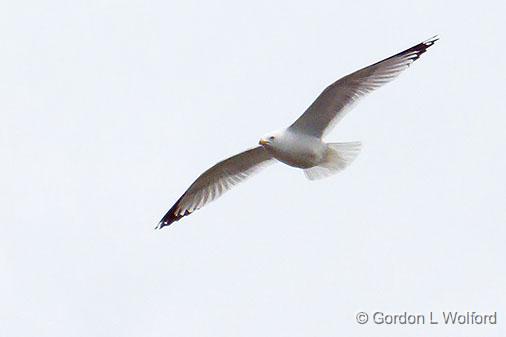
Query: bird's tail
<point x="339" y="156"/>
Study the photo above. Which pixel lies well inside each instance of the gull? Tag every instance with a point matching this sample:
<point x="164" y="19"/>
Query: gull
<point x="301" y="144"/>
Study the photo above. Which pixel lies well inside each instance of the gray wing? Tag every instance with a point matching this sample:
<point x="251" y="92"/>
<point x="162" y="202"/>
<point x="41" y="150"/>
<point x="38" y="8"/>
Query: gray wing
<point x="215" y="181"/>
<point x="339" y="97"/>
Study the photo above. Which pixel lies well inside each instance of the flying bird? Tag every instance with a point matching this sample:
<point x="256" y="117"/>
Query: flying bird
<point x="300" y="145"/>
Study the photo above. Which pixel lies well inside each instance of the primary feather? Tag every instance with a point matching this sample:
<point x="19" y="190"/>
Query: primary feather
<point x="340" y="96"/>
<point x="215" y="181"/>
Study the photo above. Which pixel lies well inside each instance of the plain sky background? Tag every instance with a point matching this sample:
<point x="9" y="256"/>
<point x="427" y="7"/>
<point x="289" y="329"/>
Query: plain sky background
<point x="110" y="109"/>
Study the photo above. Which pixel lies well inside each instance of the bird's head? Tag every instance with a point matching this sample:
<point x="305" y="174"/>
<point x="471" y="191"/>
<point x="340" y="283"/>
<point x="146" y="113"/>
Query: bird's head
<point x="269" y="139"/>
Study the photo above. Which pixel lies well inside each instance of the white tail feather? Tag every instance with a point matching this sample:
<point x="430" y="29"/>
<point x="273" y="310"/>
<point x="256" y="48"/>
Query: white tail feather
<point x="339" y="156"/>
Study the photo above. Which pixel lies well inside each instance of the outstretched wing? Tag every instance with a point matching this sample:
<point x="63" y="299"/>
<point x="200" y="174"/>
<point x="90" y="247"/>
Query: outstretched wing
<point x="215" y="181"/>
<point x="340" y="96"/>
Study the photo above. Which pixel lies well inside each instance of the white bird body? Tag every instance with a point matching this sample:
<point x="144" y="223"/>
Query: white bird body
<point x="295" y="149"/>
<point x="301" y="144"/>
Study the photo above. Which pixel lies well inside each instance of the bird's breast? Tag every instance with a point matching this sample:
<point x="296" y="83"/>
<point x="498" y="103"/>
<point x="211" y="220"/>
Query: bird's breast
<point x="301" y="152"/>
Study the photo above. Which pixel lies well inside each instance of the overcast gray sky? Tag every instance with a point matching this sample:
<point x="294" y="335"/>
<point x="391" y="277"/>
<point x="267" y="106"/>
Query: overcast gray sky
<point x="110" y="109"/>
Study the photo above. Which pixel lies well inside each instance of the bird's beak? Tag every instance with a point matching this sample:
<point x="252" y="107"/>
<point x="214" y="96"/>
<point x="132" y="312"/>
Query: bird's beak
<point x="263" y="141"/>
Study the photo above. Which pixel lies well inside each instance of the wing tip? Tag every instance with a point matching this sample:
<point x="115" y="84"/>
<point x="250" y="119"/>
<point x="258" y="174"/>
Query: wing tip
<point x="163" y="223"/>
<point x="415" y="52"/>
<point x="430" y="41"/>
<point x="172" y="215"/>
<point x="170" y="218"/>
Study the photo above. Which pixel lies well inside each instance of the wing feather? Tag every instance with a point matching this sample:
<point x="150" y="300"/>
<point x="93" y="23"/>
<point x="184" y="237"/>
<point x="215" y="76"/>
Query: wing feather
<point x="339" y="97"/>
<point x="215" y="181"/>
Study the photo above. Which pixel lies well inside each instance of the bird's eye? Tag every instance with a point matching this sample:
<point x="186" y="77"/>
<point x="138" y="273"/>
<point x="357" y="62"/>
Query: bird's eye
<point x="271" y="138"/>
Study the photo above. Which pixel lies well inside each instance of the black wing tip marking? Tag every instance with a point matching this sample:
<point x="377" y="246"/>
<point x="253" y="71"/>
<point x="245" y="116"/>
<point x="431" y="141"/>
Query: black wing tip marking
<point x="171" y="216"/>
<point x="419" y="49"/>
<point x="168" y="219"/>
<point x="412" y="53"/>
